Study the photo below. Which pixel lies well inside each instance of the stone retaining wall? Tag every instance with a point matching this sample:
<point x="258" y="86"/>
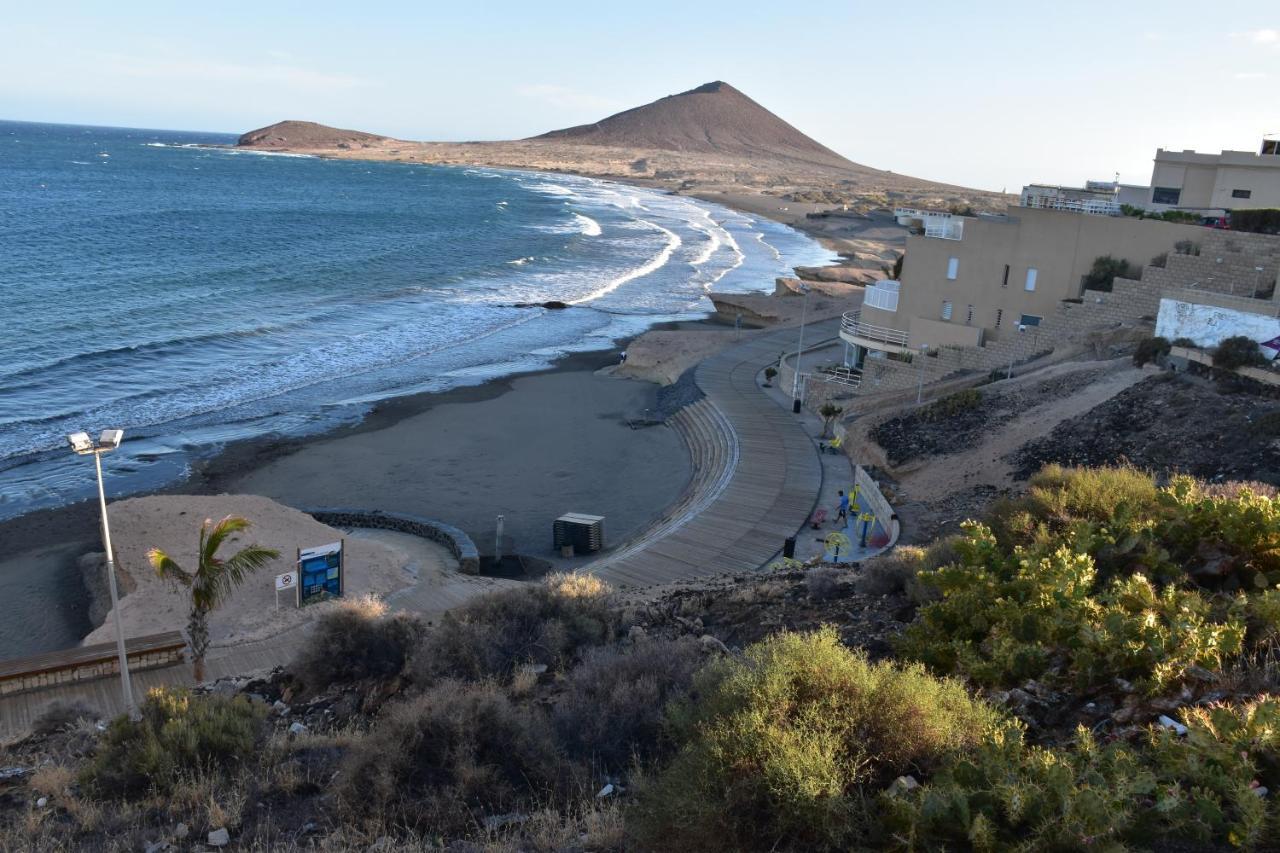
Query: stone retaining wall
<point x="458" y="543"/>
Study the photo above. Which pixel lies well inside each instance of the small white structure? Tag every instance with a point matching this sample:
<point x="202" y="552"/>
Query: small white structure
<point x="1210" y="325"/>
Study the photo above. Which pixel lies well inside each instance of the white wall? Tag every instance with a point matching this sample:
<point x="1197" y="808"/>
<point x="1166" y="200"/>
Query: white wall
<point x="1209" y="325"/>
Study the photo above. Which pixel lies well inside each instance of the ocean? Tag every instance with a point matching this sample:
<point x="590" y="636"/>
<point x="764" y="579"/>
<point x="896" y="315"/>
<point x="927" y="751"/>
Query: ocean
<point x="194" y="295"/>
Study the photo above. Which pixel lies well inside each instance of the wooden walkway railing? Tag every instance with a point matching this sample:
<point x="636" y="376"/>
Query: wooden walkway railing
<point x="85" y="663"/>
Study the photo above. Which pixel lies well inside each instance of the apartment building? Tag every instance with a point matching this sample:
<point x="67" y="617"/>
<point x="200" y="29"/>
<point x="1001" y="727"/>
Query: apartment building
<point x="978" y="282"/>
<point x="1213" y="183"/>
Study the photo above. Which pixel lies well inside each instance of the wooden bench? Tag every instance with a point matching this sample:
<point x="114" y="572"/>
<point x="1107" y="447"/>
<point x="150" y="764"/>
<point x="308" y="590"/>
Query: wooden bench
<point x="85" y="663"/>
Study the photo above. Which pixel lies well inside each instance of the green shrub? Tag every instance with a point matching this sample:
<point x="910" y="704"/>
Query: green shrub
<point x="545" y="623"/>
<point x="896" y="571"/>
<point x="177" y="733"/>
<point x="612" y="709"/>
<point x="1185" y="343"/>
<point x="1258" y="221"/>
<point x="1096" y="574"/>
<point x="786" y="747"/>
<point x="952" y="405"/>
<point x="1238" y="351"/>
<point x="454" y="752"/>
<point x="1105" y="270"/>
<point x="1198" y="789"/>
<point x="1187" y="247"/>
<point x="355" y="641"/>
<point x="1151" y="350"/>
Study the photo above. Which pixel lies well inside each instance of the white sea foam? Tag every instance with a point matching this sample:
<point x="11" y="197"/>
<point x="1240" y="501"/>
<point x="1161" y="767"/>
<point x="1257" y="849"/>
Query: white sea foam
<point x="551" y="189"/>
<point x="709" y="248"/>
<point x="657" y="262"/>
<point x="522" y="261"/>
<point x="589" y="226"/>
<point x="776" y="254"/>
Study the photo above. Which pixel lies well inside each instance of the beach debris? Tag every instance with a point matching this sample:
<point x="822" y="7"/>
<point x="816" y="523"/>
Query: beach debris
<point x="13" y="772"/>
<point x="219" y="837"/>
<point x="297" y="728"/>
<point x="42" y="802"/>
<point x="280" y="708"/>
<point x="606" y="791"/>
<point x="1173" y="724"/>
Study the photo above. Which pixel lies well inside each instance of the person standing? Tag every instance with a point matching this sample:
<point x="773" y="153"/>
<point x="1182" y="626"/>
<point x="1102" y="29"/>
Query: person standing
<point x="842" y="514"/>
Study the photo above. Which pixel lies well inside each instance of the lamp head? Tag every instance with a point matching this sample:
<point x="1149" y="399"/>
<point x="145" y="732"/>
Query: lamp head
<point x="80" y="442"/>
<point x="110" y="439"/>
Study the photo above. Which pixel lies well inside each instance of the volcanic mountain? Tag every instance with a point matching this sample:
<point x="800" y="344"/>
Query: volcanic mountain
<point x="714" y="119"/>
<point x="302" y="135"/>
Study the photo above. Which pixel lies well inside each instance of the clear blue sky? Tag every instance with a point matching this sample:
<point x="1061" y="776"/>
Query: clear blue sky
<point x="984" y="94"/>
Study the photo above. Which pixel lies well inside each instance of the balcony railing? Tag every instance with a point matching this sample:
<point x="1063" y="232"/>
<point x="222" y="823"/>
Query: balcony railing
<point x="882" y="295"/>
<point x="1096" y="207"/>
<point x="851" y="324"/>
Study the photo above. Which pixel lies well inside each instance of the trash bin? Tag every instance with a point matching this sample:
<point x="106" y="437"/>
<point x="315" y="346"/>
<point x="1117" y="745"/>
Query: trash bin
<point x="789" y="548"/>
<point x="795" y="406"/>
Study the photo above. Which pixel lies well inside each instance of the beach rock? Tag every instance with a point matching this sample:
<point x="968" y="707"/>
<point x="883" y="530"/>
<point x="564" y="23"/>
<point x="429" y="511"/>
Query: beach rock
<point x="297" y="728"/>
<point x="42" y="802"/>
<point x="606" y="791"/>
<point x="219" y="838"/>
<point x="710" y="645"/>
<point x="181" y="831"/>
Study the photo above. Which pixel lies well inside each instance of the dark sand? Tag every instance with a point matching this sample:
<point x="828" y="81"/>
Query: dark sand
<point x="531" y="447"/>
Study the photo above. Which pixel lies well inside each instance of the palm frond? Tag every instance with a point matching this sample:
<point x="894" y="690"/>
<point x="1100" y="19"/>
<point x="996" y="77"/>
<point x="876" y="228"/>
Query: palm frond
<point x="218" y="578"/>
<point x="211" y="538"/>
<point x="168" y="568"/>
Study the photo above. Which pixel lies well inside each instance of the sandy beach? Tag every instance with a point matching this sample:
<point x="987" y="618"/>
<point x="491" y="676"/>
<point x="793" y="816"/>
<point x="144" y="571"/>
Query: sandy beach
<point x="530" y="447"/>
<point x="171" y="522"/>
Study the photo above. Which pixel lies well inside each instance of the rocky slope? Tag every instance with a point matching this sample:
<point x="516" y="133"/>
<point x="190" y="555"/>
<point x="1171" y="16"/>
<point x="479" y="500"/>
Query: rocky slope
<point x="303" y="135"/>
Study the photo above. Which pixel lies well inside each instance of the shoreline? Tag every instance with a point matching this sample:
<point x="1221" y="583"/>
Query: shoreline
<point x="69" y="531"/>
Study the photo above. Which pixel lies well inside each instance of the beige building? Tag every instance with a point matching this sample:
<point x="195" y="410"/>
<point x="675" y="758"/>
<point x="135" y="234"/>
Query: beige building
<point x="1002" y="273"/>
<point x="1212" y="183"/>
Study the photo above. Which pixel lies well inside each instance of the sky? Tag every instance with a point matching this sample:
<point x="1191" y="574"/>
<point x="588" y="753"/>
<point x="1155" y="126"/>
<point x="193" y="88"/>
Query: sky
<point x="984" y="94"/>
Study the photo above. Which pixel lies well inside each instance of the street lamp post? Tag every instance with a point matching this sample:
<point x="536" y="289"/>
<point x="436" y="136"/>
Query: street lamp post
<point x="83" y="445"/>
<point x="924" y="348"/>
<point x="795" y="377"/>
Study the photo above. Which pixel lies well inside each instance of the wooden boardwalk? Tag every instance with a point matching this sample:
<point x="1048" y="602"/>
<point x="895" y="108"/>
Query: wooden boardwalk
<point x="771" y="490"/>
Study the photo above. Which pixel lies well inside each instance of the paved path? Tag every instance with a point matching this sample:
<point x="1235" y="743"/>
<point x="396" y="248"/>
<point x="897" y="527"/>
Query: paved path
<point x="769" y="493"/>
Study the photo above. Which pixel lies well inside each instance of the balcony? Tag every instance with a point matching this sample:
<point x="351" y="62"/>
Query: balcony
<point x="882" y="295"/>
<point x="854" y="331"/>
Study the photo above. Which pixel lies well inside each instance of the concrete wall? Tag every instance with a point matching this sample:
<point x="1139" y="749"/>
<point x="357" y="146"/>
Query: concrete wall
<point x="1210" y="325"/>
<point x="458" y="543"/>
<point x="939" y="333"/>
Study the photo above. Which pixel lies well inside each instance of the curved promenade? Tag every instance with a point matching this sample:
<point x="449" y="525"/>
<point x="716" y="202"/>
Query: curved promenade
<point x="766" y="490"/>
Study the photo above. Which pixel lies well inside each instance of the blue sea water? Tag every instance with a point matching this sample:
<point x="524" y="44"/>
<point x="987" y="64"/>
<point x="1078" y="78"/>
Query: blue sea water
<point x="195" y="295"/>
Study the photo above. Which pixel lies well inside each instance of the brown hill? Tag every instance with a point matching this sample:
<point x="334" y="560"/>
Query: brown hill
<point x="302" y="135"/>
<point x="713" y="118"/>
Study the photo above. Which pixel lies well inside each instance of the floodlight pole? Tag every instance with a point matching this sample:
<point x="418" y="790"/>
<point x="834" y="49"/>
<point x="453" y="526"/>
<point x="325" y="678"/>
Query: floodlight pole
<point x="795" y="377"/>
<point x="125" y="684"/>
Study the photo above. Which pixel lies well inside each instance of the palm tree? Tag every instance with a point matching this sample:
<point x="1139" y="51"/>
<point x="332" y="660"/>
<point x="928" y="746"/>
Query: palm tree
<point x="214" y="578"/>
<point x="829" y="412"/>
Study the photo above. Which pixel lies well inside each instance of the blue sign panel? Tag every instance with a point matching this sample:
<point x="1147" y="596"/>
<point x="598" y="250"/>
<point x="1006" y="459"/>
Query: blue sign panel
<point x="320" y="573"/>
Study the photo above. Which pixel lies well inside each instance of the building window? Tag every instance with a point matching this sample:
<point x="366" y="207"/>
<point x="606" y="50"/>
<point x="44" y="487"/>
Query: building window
<point x="1031" y="278"/>
<point x="999" y="316"/>
<point x="1029" y="320"/>
<point x="1004" y="282"/>
<point x="946" y="310"/>
<point x="968" y="320"/>
<point x="953" y="268"/>
<point x="1242" y="193"/>
<point x="1166" y="195"/>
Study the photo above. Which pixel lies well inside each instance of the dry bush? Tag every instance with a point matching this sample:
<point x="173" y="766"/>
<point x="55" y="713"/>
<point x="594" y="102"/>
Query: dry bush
<point x="61" y="715"/>
<point x="453" y="753"/>
<point x="895" y="571"/>
<point x="355" y="641"/>
<point x="822" y="583"/>
<point x="52" y="780"/>
<point x="545" y="623"/>
<point x="611" y="711"/>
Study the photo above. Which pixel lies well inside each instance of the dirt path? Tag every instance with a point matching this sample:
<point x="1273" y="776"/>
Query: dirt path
<point x="986" y="465"/>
